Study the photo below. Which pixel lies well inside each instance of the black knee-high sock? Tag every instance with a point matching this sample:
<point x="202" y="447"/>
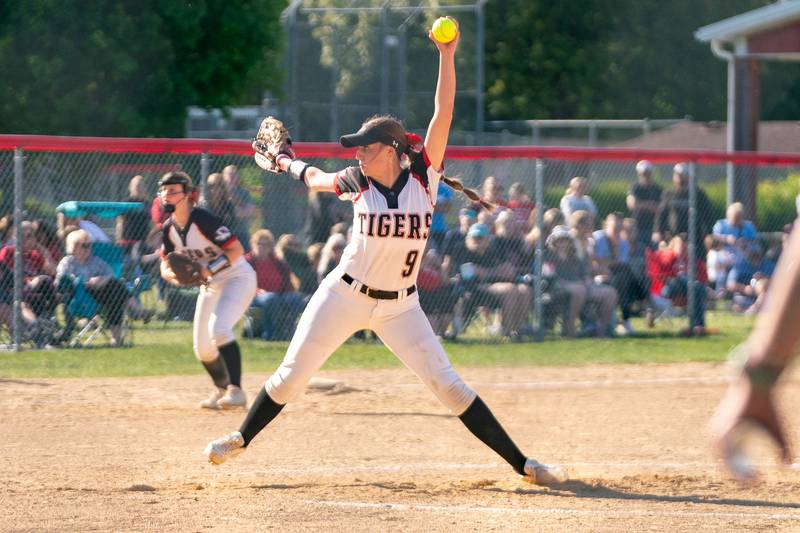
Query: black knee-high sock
<point x="233" y="360"/>
<point x="261" y="413"/>
<point x="482" y="423"/>
<point x="218" y="372"/>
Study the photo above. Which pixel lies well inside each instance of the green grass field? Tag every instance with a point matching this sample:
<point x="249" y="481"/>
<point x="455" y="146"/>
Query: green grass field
<point x="166" y="349"/>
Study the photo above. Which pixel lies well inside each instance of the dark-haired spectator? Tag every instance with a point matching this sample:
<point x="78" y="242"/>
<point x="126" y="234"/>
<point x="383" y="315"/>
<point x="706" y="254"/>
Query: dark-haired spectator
<point x="576" y="199"/>
<point x="47" y="235"/>
<point x="611" y="262"/>
<point x="672" y="217"/>
<point x="275" y="296"/>
<point x="508" y="242"/>
<point x="550" y="219"/>
<point x="643" y="200"/>
<point x="304" y="272"/>
<point x="322" y="214"/>
<point x="454" y="247"/>
<point x="39" y="269"/>
<point x="331" y="254"/>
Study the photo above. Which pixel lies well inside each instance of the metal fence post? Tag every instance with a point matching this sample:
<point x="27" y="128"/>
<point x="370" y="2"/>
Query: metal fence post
<point x="692" y="238"/>
<point x="205" y="165"/>
<point x="539" y="255"/>
<point x="19" y="206"/>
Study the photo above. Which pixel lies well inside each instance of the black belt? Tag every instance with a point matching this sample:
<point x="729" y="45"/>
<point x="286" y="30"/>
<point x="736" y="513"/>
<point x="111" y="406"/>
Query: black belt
<point x="375" y="293"/>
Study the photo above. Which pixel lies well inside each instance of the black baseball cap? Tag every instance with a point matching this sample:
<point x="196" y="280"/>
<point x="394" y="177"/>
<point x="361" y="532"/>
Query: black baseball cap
<point x="176" y="178"/>
<point x="383" y="130"/>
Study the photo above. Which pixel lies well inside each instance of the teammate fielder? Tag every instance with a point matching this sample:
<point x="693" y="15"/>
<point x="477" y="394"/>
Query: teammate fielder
<point x="393" y="190"/>
<point x="222" y="301"/>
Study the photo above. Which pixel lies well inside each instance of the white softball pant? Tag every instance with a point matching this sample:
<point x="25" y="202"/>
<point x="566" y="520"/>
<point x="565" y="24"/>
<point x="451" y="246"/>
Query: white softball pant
<point x="220" y="305"/>
<point x="336" y="311"/>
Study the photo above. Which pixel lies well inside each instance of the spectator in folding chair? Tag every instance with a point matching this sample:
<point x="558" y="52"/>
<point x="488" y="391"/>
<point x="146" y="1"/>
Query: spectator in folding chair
<point x="39" y="295"/>
<point x="81" y="267"/>
<point x="572" y="274"/>
<point x="278" y="303"/>
<point x="491" y="280"/>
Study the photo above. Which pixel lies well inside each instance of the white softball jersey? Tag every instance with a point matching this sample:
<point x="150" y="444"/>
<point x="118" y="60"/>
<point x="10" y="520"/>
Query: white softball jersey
<point x="390" y="230"/>
<point x="390" y="226"/>
<point x="223" y="301"/>
<point x="203" y="239"/>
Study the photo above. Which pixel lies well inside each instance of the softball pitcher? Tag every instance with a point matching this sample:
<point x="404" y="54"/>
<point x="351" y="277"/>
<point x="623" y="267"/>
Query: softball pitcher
<point x="393" y="190"/>
<point x="229" y="284"/>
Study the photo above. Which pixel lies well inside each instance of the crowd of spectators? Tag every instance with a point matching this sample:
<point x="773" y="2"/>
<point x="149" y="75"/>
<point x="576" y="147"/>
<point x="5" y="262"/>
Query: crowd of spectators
<point x="598" y="273"/>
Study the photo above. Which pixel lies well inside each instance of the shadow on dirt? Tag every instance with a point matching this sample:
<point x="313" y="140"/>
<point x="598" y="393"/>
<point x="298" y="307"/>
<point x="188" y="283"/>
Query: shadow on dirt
<point x="581" y="489"/>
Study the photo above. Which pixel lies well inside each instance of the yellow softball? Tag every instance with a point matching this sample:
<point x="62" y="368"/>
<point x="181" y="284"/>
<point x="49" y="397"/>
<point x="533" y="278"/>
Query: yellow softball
<point x="444" y="30"/>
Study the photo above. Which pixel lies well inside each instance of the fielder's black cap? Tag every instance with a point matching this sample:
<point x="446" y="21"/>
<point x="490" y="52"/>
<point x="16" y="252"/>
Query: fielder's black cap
<point x="176" y="178"/>
<point x="384" y="130"/>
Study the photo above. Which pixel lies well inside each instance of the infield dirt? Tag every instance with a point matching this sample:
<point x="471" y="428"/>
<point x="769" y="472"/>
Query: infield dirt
<point x="374" y="451"/>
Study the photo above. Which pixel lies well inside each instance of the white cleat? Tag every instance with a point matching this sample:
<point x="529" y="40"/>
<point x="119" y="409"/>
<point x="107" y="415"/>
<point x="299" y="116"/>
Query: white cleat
<point x="234" y="397"/>
<point x="212" y="402"/>
<point x="541" y="474"/>
<point x="220" y="450"/>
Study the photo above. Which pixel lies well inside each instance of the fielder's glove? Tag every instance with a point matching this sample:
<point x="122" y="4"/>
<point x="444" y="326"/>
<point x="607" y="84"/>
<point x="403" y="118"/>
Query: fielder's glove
<point x="271" y="141"/>
<point x="187" y="272"/>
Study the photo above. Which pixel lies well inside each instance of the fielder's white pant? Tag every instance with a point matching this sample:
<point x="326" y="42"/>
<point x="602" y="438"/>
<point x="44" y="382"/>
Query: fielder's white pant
<point x="336" y="311"/>
<point x="220" y="305"/>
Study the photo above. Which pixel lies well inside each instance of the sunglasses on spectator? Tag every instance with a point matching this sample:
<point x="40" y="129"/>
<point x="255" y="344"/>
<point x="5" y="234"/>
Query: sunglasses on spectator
<point x="85" y="245"/>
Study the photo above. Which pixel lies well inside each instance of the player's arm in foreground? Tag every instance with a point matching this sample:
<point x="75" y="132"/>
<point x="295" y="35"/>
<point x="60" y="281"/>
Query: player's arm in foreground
<point x="443" y="103"/>
<point x="769" y="348"/>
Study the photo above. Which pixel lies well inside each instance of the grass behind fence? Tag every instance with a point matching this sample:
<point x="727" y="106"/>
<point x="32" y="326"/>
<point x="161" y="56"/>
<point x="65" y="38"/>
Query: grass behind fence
<point x="166" y="349"/>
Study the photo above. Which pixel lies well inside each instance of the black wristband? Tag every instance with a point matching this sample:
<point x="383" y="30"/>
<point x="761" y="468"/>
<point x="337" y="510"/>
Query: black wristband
<point x="297" y="169"/>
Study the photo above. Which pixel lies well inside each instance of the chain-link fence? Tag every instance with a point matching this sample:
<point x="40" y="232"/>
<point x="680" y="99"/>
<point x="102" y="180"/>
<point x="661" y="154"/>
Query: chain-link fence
<point x="584" y="242"/>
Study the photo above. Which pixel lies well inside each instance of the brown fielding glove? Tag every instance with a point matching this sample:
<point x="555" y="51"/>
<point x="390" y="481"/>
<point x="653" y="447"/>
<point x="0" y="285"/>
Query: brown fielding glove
<point x="187" y="272"/>
<point x="272" y="140"/>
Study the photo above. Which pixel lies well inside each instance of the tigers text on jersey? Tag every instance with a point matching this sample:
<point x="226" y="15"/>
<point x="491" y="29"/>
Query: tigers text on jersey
<point x="390" y="226"/>
<point x="203" y="239"/>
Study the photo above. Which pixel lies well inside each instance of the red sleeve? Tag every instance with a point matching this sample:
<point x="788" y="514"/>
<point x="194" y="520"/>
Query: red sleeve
<point x="156" y="212"/>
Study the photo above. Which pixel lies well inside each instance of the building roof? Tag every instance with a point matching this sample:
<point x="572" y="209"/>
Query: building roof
<point x="751" y="22"/>
<point x="773" y="136"/>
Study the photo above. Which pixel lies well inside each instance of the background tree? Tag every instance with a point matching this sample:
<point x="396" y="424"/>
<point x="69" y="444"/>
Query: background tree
<point x="131" y="67"/>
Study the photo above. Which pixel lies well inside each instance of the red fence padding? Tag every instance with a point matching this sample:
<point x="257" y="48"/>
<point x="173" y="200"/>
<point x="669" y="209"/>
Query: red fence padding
<point x="47" y="143"/>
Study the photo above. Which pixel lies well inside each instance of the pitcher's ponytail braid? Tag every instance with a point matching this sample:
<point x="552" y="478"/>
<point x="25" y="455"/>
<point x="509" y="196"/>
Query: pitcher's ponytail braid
<point x="414" y="148"/>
